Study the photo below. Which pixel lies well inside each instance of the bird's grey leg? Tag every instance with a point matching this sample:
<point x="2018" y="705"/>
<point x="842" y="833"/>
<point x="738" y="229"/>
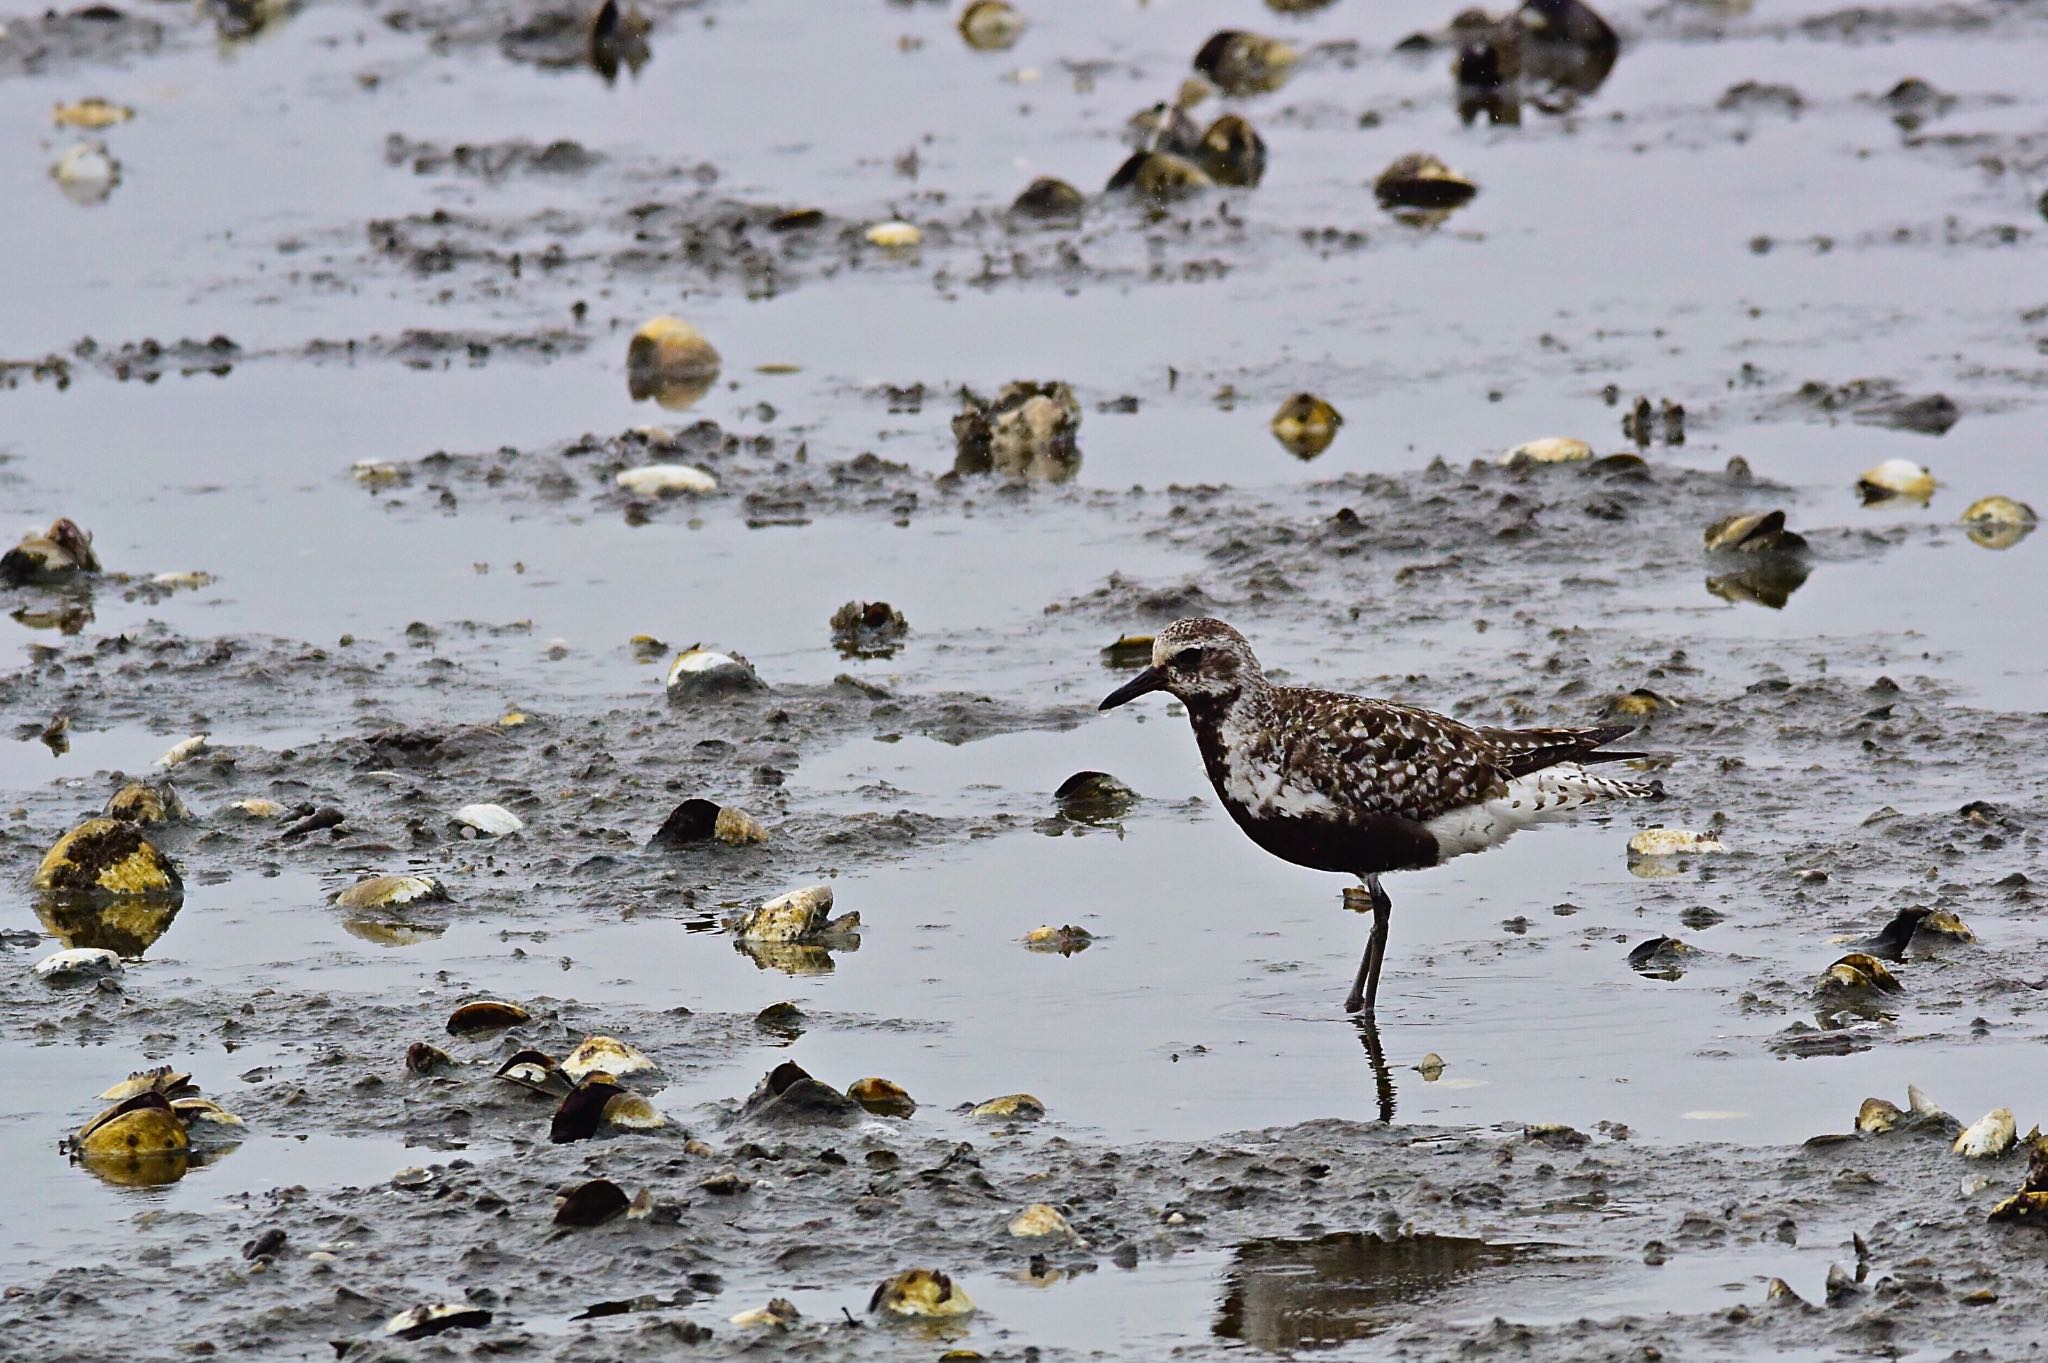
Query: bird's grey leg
<point x="1366" y="988"/>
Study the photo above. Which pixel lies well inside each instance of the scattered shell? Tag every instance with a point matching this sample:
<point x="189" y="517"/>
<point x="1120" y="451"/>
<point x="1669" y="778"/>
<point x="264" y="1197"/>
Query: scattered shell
<point x="163" y="1079"/>
<point x="605" y="1053"/>
<point x="1431" y="1067"/>
<point x="883" y="1097"/>
<point x="535" y="1070"/>
<point x="1029" y="430"/>
<point x="1040" y="1221"/>
<point x="894" y="235"/>
<point x="420" y="1321"/>
<point x="1660" y="958"/>
<point x="670" y="361"/>
<point x="699" y="820"/>
<point x="92" y="113"/>
<point x="1421" y="180"/>
<point x="379" y="892"/>
<point x="1244" y="63"/>
<point x="1305" y="425"/>
<point x="147" y="802"/>
<point x="87" y="173"/>
<point x="492" y="821"/>
<point x="1896" y="478"/>
<point x="143" y="1127"/>
<point x="1018" y="1106"/>
<point x="921" y="1293"/>
<point x="662" y="480"/>
<point x="1046" y="198"/>
<point x="183" y="750"/>
<point x="1232" y="152"/>
<point x="1989" y="1136"/>
<point x="1640" y="703"/>
<point x="1065" y="939"/>
<point x="181" y="582"/>
<point x="1094" y="797"/>
<point x="699" y="672"/>
<point x="1550" y="449"/>
<point x="991" y="25"/>
<point x="421" y="1058"/>
<point x="798" y="916"/>
<point x="631" y="1112"/>
<point x="378" y="473"/>
<point x="107" y="857"/>
<point x="788" y="1095"/>
<point x="1673" y="842"/>
<point x="77" y="963"/>
<point x="1856" y="972"/>
<point x="192" y="1108"/>
<point x="1159" y="176"/>
<point x="51" y="556"/>
<point x="1998" y="522"/>
<point x="868" y="629"/>
<point x="1876" y="1116"/>
<point x="1756" y="532"/>
<point x="591" y="1204"/>
<point x="486" y="1015"/>
<point x="779" y="1312"/>
<point x="1130" y="650"/>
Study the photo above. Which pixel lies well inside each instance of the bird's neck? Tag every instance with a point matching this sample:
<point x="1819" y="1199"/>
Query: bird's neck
<point x="1215" y="718"/>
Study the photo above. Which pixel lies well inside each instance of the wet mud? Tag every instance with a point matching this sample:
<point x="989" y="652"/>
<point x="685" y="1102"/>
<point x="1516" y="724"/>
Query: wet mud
<point x="335" y="372"/>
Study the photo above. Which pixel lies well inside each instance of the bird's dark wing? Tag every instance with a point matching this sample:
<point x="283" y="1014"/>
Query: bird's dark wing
<point x="1383" y="758"/>
<point x="1521" y="751"/>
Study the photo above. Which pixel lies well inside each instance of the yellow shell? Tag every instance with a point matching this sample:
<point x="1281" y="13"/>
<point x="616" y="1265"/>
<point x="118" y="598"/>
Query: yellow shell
<point x="109" y="857"/>
<point x="604" y="1054"/>
<point x="792" y="917"/>
<point x="1896" y="478"/>
<point x="670" y="361"/>
<point x="1021" y="1106"/>
<point x="141" y="802"/>
<point x="93" y="113"/>
<point x="142" y="1133"/>
<point x="922" y="1293"/>
<point x="1305" y="425"/>
<point x="1998" y="522"/>
<point x="162" y="1079"/>
<point x="1040" y="1221"/>
<point x="381" y="891"/>
<point x="737" y="828"/>
<point x="991" y="25"/>
<point x="883" y="1097"/>
<point x="1672" y="842"/>
<point x="1550" y="449"/>
<point x="894" y="235"/>
<point x="1876" y="1116"/>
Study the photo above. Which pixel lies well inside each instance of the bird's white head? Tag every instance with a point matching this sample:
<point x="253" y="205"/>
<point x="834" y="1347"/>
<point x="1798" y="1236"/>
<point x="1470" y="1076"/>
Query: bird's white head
<point x="1198" y="661"/>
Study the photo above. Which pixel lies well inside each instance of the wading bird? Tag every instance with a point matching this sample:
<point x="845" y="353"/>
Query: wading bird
<point x="1363" y="786"/>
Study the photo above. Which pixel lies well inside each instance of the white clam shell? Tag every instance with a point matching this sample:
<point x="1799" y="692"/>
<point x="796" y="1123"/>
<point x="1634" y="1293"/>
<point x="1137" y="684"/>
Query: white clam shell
<point x="491" y="820"/>
<point x="77" y="963"/>
<point x="661" y="480"/>
<point x="1673" y="842"/>
<point x="183" y="749"/>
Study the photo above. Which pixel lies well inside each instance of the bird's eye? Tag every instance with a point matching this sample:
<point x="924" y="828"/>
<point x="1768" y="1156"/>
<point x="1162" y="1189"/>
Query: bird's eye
<point x="1187" y="660"/>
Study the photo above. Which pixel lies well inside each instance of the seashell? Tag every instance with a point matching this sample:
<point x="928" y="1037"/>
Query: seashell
<point x="591" y="1204"/>
<point x="1876" y="1116"/>
<point x="631" y="1112"/>
<point x="193" y="1108"/>
<point x="699" y="820"/>
<point x="1550" y="449"/>
<point x="1430" y="1067"/>
<point x="1065" y="939"/>
<point x="1923" y="1107"/>
<point x="1159" y="176"/>
<point x="1232" y="152"/>
<point x="77" y="963"/>
<point x="1756" y="532"/>
<point x="604" y="1053"/>
<point x="894" y="235"/>
<point x="51" y="556"/>
<point x="617" y="37"/>
<point x="1305" y="425"/>
<point x="1660" y="958"/>
<point x="599" y="1101"/>
<point x="1989" y="1136"/>
<point x="883" y="1097"/>
<point x="798" y="916"/>
<point x="1046" y="198"/>
<point x="670" y="361"/>
<point x="1673" y="842"/>
<point x="1998" y="522"/>
<point x="486" y="1015"/>
<point x="1421" y="180"/>
<point x="183" y="750"/>
<point x="92" y="113"/>
<point x="921" y="1294"/>
<point x="163" y="1079"/>
<point x="491" y="821"/>
<point x="421" y="1058"/>
<point x="991" y="25"/>
<point x="1018" y="1106"/>
<point x="1895" y="478"/>
<point x="378" y="473"/>
<point x="379" y="892"/>
<point x="663" y="480"/>
<point x="87" y="173"/>
<point x="180" y="582"/>
<point x="142" y="1127"/>
<point x="534" y="1070"/>
<point x="1244" y="63"/>
<point x="1129" y="650"/>
<point x="699" y="672"/>
<point x="1029" y="430"/>
<point x="1094" y="797"/>
<point x="868" y="629"/>
<point x="727" y="1182"/>
<point x="1640" y="703"/>
<point x="1855" y="972"/>
<point x="788" y="1095"/>
<point x="1168" y="127"/>
<point x="418" y="1322"/>
<point x="779" y="1312"/>
<point x="108" y="858"/>
<point x="1039" y="1222"/>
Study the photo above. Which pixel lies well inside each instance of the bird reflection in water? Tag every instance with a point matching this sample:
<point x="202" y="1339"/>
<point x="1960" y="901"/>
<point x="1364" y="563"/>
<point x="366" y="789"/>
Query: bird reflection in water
<point x="1288" y="1294"/>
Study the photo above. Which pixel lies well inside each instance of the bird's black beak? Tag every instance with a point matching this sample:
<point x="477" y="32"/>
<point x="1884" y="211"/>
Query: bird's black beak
<point x="1151" y="679"/>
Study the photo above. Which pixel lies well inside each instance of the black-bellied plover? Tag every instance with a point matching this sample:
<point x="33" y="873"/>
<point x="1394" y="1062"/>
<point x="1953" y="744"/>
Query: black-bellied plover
<point x="1364" y="786"/>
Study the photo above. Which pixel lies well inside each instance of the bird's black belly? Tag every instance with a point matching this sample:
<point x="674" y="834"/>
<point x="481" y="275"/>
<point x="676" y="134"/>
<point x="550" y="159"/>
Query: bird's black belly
<point x="1365" y="845"/>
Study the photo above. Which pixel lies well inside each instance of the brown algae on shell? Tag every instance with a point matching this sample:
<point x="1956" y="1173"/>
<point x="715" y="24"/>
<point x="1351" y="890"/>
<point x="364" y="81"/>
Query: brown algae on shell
<point x="486" y="1015"/>
<point x="670" y="361"/>
<point x="883" y="1097"/>
<point x="868" y="629"/>
<point x="147" y="802"/>
<point x="1029" y="430"/>
<point x="921" y="1294"/>
<point x="379" y="892"/>
<point x="1094" y="797"/>
<point x="107" y="857"/>
<point x="1305" y="425"/>
<point x="1673" y="842"/>
<point x="1065" y="940"/>
<point x="801" y="915"/>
